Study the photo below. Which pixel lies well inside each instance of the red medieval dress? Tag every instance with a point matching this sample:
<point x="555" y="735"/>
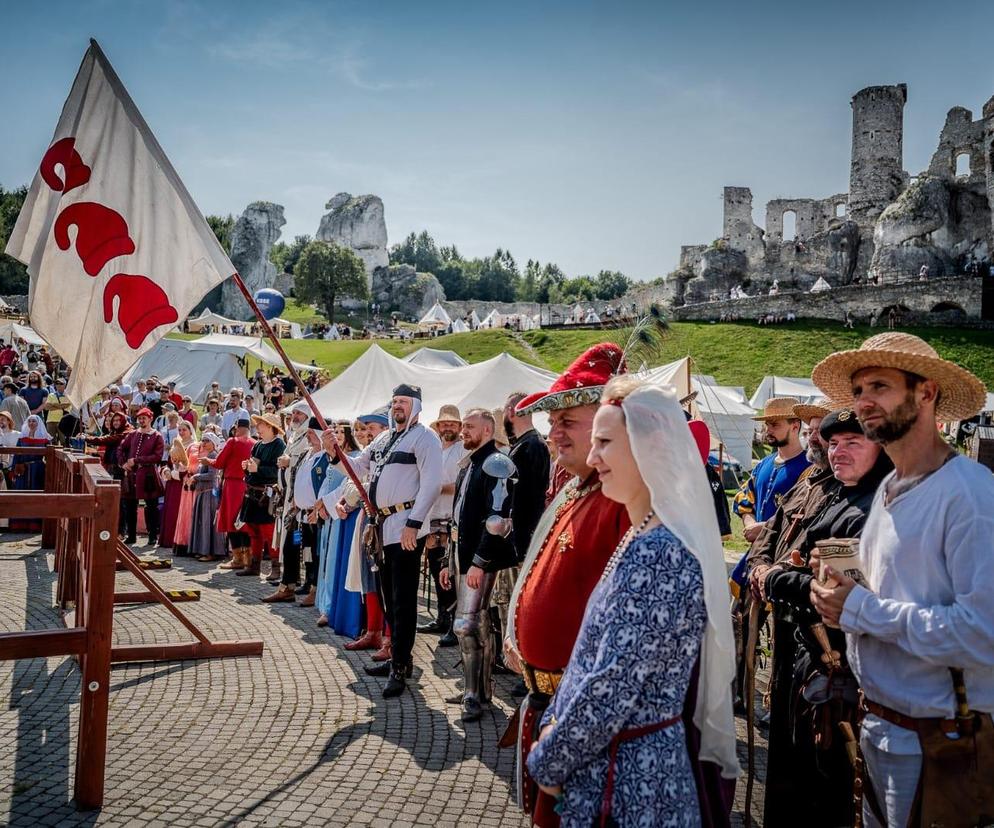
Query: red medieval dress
<point x="229" y="465"/>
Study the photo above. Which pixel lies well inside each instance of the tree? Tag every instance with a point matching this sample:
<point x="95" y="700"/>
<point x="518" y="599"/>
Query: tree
<point x="13" y="275"/>
<point x="222" y="227"/>
<point x="285" y="256"/>
<point x="327" y="272"/>
<point x="499" y="277"/>
<point x="610" y="284"/>
<point x="528" y="291"/>
<point x="550" y="284"/>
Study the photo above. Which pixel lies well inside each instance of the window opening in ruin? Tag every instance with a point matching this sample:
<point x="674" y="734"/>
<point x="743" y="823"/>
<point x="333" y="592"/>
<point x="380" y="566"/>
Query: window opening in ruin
<point x="943" y="307"/>
<point x="840" y="210"/>
<point x="963" y="165"/>
<point x="789" y="225"/>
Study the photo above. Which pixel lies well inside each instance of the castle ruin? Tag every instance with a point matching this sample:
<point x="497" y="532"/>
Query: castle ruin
<point x="878" y="235"/>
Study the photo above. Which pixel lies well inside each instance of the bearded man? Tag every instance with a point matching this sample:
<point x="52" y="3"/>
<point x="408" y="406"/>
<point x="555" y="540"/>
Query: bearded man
<point x="920" y="625"/>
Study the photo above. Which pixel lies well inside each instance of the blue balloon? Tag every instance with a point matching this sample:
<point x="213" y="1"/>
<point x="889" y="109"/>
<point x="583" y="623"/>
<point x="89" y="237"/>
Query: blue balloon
<point x="270" y="302"/>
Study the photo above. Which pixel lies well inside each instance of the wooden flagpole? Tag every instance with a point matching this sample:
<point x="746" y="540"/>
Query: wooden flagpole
<point x="342" y="458"/>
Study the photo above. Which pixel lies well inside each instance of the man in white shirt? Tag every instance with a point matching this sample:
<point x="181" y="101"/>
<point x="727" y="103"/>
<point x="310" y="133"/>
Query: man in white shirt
<point x="447" y="427"/>
<point x="924" y="611"/>
<point x="234" y="412"/>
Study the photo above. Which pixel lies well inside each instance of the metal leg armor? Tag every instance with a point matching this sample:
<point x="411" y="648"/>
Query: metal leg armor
<point x="472" y="628"/>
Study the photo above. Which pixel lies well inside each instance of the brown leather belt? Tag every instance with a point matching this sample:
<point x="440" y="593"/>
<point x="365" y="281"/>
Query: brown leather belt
<point x="899" y="719"/>
<point x="540" y="681"/>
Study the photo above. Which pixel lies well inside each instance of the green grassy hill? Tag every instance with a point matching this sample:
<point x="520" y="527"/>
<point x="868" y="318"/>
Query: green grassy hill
<point x="736" y="354"/>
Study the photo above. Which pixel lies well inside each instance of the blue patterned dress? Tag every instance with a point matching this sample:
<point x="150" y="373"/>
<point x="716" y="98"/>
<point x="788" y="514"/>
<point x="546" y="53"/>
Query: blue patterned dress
<point x="640" y="638"/>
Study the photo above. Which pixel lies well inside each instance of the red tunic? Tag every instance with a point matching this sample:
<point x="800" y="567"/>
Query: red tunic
<point x="229" y="463"/>
<point x="554" y="593"/>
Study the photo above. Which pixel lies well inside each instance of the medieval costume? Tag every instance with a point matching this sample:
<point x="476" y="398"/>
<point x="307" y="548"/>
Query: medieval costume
<point x="184" y="515"/>
<point x="29" y="469"/>
<point x="288" y="530"/>
<point x="141" y="482"/>
<point x="479" y="496"/>
<point x="618" y="746"/>
<point x="255" y="514"/>
<point x="229" y="466"/>
<point x="173" y="476"/>
<point x="206" y="542"/>
<point x="341" y="608"/>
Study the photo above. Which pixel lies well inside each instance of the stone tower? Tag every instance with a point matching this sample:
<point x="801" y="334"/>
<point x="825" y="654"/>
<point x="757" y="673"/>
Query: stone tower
<point x="989" y="158"/>
<point x="876" y="176"/>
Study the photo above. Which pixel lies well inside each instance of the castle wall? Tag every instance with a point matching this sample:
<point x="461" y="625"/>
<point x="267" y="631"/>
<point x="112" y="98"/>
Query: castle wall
<point x="812" y="215"/>
<point x="738" y="228"/>
<point x="960" y="135"/>
<point x="919" y="301"/>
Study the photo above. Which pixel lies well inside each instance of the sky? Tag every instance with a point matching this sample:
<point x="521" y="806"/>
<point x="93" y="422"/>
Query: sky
<point x="593" y="135"/>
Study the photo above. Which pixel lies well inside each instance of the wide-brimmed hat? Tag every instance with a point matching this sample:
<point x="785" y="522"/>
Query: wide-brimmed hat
<point x="961" y="394"/>
<point x="269" y="419"/>
<point x="448" y="414"/>
<point x="10" y="418"/>
<point x="778" y="408"/>
<point x="806" y="413"/>
<point x="580" y="384"/>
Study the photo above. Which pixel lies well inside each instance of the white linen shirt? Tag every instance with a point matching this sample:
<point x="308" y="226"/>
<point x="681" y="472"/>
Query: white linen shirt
<point x="230" y="417"/>
<point x="304" y="497"/>
<point x="451" y="461"/>
<point x="928" y="557"/>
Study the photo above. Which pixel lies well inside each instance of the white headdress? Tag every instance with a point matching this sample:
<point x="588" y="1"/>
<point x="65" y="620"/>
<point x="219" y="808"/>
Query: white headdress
<point x="670" y="465"/>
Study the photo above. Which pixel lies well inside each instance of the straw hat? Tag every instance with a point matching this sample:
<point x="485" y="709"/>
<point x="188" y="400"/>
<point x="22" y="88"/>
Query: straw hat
<point x="961" y="394"/>
<point x="806" y="413"/>
<point x="10" y="418"/>
<point x="269" y="419"/>
<point x="778" y="408"/>
<point x="448" y="414"/>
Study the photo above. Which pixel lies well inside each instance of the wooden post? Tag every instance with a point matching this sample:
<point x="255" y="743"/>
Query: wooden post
<point x="53" y="473"/>
<point x="100" y="543"/>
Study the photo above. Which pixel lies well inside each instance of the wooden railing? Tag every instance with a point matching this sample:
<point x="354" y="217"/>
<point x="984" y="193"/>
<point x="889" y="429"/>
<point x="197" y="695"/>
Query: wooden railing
<point x="79" y="509"/>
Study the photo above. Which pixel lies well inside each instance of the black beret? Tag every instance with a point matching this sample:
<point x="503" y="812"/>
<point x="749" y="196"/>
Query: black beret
<point x="839" y="422"/>
<point x="405" y="390"/>
<point x="244" y="422"/>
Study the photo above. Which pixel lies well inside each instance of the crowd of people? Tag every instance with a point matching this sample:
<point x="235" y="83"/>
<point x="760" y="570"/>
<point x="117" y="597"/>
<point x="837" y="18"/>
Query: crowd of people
<point x="589" y="562"/>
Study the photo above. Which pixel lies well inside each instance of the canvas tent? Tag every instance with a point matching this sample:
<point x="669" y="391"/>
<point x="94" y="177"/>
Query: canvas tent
<point x="801" y="388"/>
<point x="286" y="330"/>
<point x="474" y="320"/>
<point x="820" y="286"/>
<point x="368" y="383"/>
<point x="241" y="346"/>
<point x="436" y="318"/>
<point x="728" y="415"/>
<point x="207" y="319"/>
<point x="591" y="318"/>
<point x="435" y="358"/>
<point x="11" y="331"/>
<point x="458" y="326"/>
<point x="492" y="320"/>
<point x="192" y="370"/>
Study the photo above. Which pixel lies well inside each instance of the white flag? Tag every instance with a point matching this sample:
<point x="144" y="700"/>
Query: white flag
<point x="116" y="249"/>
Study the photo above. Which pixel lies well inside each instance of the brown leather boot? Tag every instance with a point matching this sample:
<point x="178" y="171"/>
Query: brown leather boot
<point x="237" y="561"/>
<point x="275" y="571"/>
<point x="282" y="595"/>
<point x="384" y="653"/>
<point x="369" y="640"/>
<point x="308" y="599"/>
<point x="253" y="567"/>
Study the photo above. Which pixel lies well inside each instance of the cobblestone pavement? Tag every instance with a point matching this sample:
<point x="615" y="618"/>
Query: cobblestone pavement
<point x="298" y="736"/>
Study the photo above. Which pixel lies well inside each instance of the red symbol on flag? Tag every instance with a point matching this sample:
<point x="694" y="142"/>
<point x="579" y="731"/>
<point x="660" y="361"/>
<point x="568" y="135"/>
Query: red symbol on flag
<point x="101" y="234"/>
<point x="143" y="306"/>
<point x="75" y="171"/>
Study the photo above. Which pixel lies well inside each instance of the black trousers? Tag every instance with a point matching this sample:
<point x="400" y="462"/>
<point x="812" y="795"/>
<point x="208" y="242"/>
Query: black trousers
<point x="446" y="597"/>
<point x="399" y="577"/>
<point x="151" y="516"/>
<point x="238" y="540"/>
<point x="293" y="552"/>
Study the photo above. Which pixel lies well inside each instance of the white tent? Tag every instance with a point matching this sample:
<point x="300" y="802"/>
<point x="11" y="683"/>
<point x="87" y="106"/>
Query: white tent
<point x="368" y="383"/>
<point x="192" y="370"/>
<point x="435" y="318"/>
<point x="10" y="331"/>
<point x="676" y="373"/>
<point x="207" y="318"/>
<point x="474" y="320"/>
<point x="332" y="333"/>
<point x="253" y="346"/>
<point x="577" y="313"/>
<point x="591" y="318"/>
<point x="799" y="387"/>
<point x="458" y="326"/>
<point x="989" y="405"/>
<point x="283" y="327"/>
<point x="728" y="415"/>
<point x="493" y="320"/>
<point x="820" y="286"/>
<point x="435" y="358"/>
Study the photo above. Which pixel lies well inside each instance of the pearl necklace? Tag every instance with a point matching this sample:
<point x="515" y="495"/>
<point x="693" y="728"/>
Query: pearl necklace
<point x="632" y="532"/>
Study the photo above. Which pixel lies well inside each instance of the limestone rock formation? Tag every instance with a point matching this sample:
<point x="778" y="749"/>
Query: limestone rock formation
<point x="402" y="289"/>
<point x="357" y="222"/>
<point x="252" y="237"/>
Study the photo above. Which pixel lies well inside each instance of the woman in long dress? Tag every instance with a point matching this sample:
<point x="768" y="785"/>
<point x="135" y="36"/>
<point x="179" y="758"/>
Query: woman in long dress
<point x="334" y="480"/>
<point x="206" y="542"/>
<point x="29" y="469"/>
<point x="9" y="436"/>
<point x="613" y="746"/>
<point x="184" y="515"/>
<point x="342" y="608"/>
<point x="172" y="477"/>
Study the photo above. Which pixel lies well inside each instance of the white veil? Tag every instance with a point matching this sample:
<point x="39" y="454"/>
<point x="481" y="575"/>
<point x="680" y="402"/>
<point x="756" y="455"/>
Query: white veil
<point x="671" y="467"/>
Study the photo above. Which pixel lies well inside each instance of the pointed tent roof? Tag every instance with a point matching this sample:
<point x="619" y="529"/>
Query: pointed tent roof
<point x="435" y="316"/>
<point x="820" y="286"/>
<point x="368" y="383"/>
<point x="591" y="317"/>
<point x="192" y="370"/>
<point x="458" y="326"/>
<point x="800" y="387"/>
<point x="435" y="358"/>
<point x="254" y="346"/>
<point x="474" y="320"/>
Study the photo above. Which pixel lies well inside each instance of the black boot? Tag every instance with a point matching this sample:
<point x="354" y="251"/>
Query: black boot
<point x="436" y="625"/>
<point x="448" y="639"/>
<point x="395" y="686"/>
<point x="472" y="710"/>
<point x="386" y="669"/>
